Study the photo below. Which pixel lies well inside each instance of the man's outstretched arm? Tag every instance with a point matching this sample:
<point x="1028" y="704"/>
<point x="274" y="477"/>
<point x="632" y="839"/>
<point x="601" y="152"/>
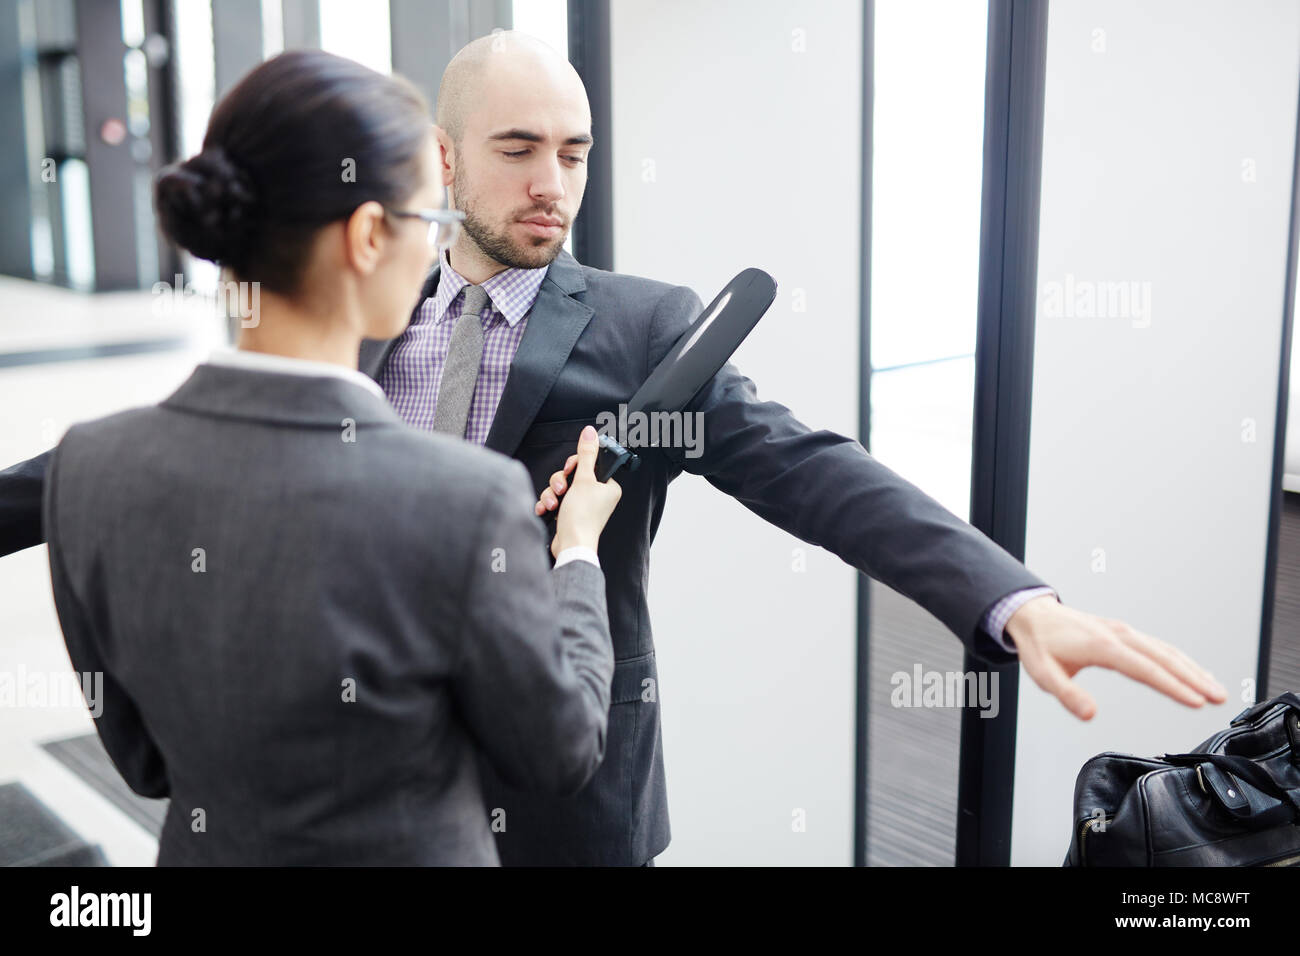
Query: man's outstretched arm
<point x="20" y="504"/>
<point x="827" y="490"/>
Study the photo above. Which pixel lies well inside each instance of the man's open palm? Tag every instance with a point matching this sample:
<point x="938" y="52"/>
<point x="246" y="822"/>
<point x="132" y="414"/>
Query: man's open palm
<point x="1055" y="642"/>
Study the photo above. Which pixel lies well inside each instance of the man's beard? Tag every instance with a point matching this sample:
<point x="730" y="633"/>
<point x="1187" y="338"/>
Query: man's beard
<point x="499" y="246"/>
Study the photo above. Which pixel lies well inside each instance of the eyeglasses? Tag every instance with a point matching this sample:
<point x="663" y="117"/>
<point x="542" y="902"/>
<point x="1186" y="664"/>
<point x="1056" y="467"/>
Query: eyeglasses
<point x="444" y="224"/>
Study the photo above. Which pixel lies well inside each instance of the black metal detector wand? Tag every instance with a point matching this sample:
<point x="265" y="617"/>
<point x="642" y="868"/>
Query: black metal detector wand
<point x="692" y="361"/>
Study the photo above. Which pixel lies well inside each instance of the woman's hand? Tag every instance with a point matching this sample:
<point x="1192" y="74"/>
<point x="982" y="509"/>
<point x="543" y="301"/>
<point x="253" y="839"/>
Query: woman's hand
<point x="589" y="502"/>
<point x="549" y="499"/>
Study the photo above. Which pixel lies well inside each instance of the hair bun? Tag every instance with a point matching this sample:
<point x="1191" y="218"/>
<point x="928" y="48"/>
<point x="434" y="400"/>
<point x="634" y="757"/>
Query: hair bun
<point x="206" y="206"/>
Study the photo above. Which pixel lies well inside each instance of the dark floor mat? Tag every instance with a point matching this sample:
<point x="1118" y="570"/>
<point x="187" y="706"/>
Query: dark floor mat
<point x="85" y="756"/>
<point x="31" y="834"/>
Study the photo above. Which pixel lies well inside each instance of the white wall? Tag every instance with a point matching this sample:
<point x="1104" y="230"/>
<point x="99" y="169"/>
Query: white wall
<point x="737" y="129"/>
<point x="1138" y="445"/>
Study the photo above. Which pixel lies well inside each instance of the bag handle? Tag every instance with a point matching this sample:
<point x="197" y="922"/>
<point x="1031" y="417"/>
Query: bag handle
<point x="1247" y="770"/>
<point x="1289" y="698"/>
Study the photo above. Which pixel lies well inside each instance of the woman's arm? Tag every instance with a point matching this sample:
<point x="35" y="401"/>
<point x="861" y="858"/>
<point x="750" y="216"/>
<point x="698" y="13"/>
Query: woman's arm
<point x="119" y="723"/>
<point x="536" y="660"/>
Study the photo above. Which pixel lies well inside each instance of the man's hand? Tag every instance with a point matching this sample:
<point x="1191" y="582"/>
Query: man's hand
<point x="1055" y="642"/>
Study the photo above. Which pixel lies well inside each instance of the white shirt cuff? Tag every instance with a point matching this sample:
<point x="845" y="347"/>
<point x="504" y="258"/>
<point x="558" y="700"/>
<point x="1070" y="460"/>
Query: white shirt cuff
<point x="577" y="553"/>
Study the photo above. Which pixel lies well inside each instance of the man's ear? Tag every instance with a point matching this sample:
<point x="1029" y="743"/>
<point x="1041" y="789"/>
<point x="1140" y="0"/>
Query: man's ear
<point x="446" y="155"/>
<point x="364" y="236"/>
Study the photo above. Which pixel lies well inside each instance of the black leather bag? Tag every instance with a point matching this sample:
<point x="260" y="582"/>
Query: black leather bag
<point x="1233" y="801"/>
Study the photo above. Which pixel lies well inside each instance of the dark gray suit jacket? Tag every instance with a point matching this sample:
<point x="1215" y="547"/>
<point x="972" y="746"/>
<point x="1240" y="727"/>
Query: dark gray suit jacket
<point x="312" y="620"/>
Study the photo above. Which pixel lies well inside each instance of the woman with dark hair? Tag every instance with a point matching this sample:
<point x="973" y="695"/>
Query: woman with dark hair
<point x="311" y="619"/>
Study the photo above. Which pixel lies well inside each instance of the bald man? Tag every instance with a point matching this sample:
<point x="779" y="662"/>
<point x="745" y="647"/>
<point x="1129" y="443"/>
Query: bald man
<point x="558" y="343"/>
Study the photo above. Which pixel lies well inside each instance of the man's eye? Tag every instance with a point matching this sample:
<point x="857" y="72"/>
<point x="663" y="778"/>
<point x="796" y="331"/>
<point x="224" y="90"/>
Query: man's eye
<point x="577" y="160"/>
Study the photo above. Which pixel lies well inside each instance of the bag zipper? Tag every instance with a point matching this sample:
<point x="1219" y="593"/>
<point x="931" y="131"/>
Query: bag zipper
<point x="1089" y="824"/>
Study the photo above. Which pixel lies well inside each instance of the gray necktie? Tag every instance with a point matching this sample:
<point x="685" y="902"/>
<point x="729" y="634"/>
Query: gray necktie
<point x="460" y="371"/>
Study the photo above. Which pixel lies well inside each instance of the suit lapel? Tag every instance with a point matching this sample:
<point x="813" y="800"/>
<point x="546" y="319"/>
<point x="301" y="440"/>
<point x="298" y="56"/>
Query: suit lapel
<point x="554" y="325"/>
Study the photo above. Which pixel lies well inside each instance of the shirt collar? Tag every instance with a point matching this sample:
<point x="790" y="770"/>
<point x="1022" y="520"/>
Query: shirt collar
<point x="289" y="365"/>
<point x="511" y="292"/>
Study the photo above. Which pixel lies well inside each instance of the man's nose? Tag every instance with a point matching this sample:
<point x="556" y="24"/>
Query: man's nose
<point x="548" y="184"/>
